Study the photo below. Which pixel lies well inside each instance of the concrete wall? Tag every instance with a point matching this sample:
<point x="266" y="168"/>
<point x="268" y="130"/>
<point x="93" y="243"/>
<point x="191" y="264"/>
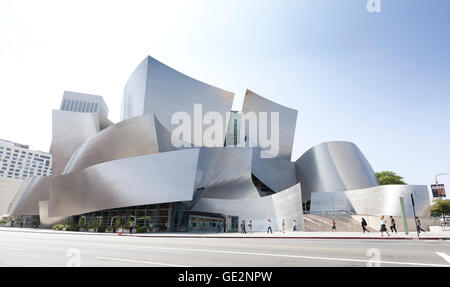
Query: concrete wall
<point x="8" y="189"/>
<point x="285" y="204"/>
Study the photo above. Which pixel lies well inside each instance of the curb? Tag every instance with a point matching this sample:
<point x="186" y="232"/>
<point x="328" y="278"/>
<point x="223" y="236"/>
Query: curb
<point x="59" y="232"/>
<point x="291" y="237"/>
<point x="224" y="237"/>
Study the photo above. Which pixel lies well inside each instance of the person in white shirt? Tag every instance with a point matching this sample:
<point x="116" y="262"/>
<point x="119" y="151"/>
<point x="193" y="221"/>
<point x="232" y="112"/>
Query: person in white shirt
<point x="269" y="226"/>
<point x="294" y="225"/>
<point x="383" y="226"/>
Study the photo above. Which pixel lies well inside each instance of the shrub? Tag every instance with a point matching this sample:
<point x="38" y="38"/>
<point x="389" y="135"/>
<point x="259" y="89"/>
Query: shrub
<point x="141" y="229"/>
<point x="81" y="222"/>
<point x="101" y="226"/>
<point x="60" y="227"/>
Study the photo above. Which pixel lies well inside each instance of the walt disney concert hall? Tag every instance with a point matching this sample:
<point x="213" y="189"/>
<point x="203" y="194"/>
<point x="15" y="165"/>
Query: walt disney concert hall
<point x="133" y="169"/>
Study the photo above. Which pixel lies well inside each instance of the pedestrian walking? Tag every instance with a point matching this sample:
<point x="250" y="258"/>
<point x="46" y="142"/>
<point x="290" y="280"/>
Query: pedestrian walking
<point x="269" y="226"/>
<point x="283" y="226"/>
<point x="294" y="225"/>
<point x="250" y="226"/>
<point x="243" y="227"/>
<point x="131" y="227"/>
<point x="363" y="225"/>
<point x="333" y="226"/>
<point x="383" y="226"/>
<point x="393" y="228"/>
<point x="419" y="225"/>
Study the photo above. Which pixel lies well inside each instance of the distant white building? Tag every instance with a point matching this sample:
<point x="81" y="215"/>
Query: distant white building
<point x="17" y="161"/>
<point x="83" y="103"/>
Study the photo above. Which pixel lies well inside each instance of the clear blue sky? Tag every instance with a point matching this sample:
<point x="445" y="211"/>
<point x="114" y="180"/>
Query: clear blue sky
<point x="380" y="80"/>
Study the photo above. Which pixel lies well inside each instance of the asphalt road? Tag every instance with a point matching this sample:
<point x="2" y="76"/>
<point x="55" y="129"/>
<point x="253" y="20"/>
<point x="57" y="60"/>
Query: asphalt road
<point x="59" y="249"/>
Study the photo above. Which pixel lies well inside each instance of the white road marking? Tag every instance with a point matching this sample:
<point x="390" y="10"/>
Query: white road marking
<point x="264" y="254"/>
<point x="248" y="253"/>
<point x="17" y="249"/>
<point x="301" y="257"/>
<point x="142" y="262"/>
<point x="443" y="255"/>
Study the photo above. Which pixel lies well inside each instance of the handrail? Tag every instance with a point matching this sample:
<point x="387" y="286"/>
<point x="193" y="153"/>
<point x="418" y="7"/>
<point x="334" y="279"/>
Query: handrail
<point x="321" y="212"/>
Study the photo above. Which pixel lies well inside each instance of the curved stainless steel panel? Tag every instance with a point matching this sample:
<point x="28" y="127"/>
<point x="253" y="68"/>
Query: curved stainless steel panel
<point x="69" y="131"/>
<point x="379" y="200"/>
<point x="225" y="173"/>
<point x="8" y="190"/>
<point x="156" y="88"/>
<point x="286" y="204"/>
<point x="30" y="193"/>
<point x="148" y="179"/>
<point x="333" y="166"/>
<point x="45" y="220"/>
<point x="278" y="174"/>
<point x="129" y="138"/>
<point x="287" y="121"/>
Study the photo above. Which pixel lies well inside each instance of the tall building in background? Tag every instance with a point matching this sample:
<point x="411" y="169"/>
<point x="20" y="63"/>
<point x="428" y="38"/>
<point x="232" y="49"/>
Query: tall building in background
<point x="17" y="161"/>
<point x="17" y="164"/>
<point x="83" y="103"/>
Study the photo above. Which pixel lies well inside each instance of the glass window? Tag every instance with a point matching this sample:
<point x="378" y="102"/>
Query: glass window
<point x="63" y="106"/>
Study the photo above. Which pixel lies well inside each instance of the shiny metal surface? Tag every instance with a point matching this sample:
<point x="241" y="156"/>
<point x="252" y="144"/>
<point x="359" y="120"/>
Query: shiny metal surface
<point x="99" y="165"/>
<point x="133" y="137"/>
<point x="278" y="174"/>
<point x="379" y="200"/>
<point x="8" y="190"/>
<point x="45" y="220"/>
<point x="148" y="179"/>
<point x="33" y="190"/>
<point x="285" y="204"/>
<point x="333" y="166"/>
<point x="156" y="88"/>
<point x="69" y="131"/>
<point x="225" y="173"/>
<point x="287" y="121"/>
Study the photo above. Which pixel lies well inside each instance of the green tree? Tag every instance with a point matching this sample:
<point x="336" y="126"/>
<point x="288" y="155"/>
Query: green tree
<point x="440" y="206"/>
<point x="81" y="222"/>
<point x="101" y="226"/>
<point x="389" y="177"/>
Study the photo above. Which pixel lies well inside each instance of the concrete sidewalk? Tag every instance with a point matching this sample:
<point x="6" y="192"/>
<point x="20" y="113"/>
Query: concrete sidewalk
<point x="434" y="235"/>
